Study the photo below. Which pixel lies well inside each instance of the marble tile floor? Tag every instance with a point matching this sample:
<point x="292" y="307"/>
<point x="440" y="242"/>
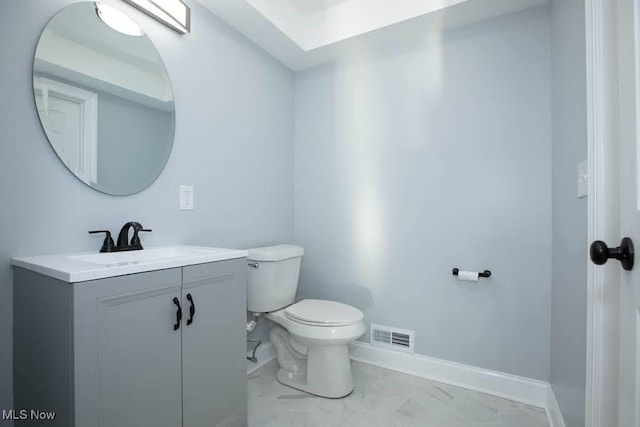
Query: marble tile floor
<point x="383" y="398"/>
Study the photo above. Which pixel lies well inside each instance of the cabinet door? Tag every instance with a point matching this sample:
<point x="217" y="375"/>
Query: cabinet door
<point x="129" y="351"/>
<point x="214" y="345"/>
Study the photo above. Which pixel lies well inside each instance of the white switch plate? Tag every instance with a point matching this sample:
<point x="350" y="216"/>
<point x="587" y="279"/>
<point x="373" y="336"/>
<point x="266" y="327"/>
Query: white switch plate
<point x="186" y="197"/>
<point x="583" y="179"/>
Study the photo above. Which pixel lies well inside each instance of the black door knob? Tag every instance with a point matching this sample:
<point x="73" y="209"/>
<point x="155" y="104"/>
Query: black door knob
<point x="600" y="253"/>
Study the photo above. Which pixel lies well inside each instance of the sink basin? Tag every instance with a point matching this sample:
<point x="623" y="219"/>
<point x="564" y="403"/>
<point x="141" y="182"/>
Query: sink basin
<point x="92" y="266"/>
<point x="145" y="255"/>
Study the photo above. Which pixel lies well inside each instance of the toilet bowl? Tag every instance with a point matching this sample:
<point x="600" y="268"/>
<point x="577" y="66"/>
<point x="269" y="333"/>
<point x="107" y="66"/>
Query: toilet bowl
<point x="311" y="340"/>
<point x="311" y="336"/>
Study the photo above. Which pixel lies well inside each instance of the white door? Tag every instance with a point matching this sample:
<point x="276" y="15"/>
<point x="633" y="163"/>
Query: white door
<point x="629" y="116"/>
<point x="613" y="321"/>
<point x="62" y="119"/>
<point x="69" y="116"/>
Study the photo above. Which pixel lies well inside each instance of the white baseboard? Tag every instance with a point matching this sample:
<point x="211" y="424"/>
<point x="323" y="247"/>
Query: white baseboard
<point x="553" y="410"/>
<point x="512" y="387"/>
<point x="266" y="353"/>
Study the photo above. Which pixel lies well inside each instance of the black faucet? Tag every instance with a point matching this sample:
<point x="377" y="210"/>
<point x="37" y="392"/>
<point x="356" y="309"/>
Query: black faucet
<point x="107" y="245"/>
<point x="123" y="238"/>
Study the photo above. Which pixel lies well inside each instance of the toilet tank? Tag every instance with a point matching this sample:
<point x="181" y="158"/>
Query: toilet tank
<point x="272" y="277"/>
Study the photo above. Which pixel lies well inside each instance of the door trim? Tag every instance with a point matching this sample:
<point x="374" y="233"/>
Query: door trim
<point x="89" y="121"/>
<point x="603" y="220"/>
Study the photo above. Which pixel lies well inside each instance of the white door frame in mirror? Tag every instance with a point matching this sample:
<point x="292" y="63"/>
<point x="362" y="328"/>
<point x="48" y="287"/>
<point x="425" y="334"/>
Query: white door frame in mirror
<point x="604" y="204"/>
<point x="85" y="166"/>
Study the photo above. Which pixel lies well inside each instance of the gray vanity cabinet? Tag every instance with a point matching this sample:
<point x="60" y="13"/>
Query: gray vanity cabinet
<point x="111" y="352"/>
<point x="128" y="357"/>
<point x="214" y="346"/>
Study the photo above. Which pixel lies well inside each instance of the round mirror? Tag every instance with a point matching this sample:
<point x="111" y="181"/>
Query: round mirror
<point x="104" y="98"/>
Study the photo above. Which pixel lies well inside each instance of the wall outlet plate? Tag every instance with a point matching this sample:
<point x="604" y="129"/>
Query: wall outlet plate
<point x="186" y="197"/>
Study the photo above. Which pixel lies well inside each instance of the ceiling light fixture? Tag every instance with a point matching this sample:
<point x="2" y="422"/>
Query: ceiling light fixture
<point x="173" y="13"/>
<point x="117" y="20"/>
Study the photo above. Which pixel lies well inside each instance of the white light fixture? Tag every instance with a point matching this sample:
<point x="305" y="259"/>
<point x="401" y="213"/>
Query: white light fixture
<point x="117" y="20"/>
<point x="173" y="13"/>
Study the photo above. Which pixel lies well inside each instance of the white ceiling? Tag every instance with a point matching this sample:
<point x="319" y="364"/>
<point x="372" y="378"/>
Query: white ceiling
<point x="314" y="6"/>
<point x="306" y="33"/>
<point x="80" y="24"/>
<point x="78" y="47"/>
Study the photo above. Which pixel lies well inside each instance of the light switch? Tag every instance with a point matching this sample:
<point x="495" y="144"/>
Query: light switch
<point x="583" y="179"/>
<point x="186" y="197"/>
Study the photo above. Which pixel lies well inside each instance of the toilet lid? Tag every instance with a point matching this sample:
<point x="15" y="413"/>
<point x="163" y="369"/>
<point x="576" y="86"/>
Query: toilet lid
<point x="323" y="313"/>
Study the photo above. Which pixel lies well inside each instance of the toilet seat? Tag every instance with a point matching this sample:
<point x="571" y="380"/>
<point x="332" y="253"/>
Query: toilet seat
<point x="315" y="312"/>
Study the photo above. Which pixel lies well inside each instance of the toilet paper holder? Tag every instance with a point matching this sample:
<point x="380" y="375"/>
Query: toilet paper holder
<point x="486" y="273"/>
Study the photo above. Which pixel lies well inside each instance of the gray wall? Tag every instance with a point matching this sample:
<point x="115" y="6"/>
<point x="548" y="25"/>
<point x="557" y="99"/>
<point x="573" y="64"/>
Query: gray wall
<point x="425" y="156"/>
<point x="569" y="277"/>
<point x="234" y="143"/>
<point x="134" y="142"/>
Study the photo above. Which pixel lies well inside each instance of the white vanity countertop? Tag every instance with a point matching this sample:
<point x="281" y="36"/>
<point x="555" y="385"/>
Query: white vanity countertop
<point x="81" y="267"/>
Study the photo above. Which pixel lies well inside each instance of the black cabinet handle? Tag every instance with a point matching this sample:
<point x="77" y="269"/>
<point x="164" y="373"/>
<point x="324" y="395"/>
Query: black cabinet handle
<point x="192" y="309"/>
<point x="178" y="314"/>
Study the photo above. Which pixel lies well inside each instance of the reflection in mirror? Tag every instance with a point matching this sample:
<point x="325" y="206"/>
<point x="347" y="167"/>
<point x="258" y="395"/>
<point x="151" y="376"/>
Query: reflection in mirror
<point x="104" y="98"/>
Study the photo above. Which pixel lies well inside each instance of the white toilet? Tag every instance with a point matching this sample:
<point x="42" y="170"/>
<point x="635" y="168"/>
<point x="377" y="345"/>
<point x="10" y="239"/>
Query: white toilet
<point x="310" y="336"/>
